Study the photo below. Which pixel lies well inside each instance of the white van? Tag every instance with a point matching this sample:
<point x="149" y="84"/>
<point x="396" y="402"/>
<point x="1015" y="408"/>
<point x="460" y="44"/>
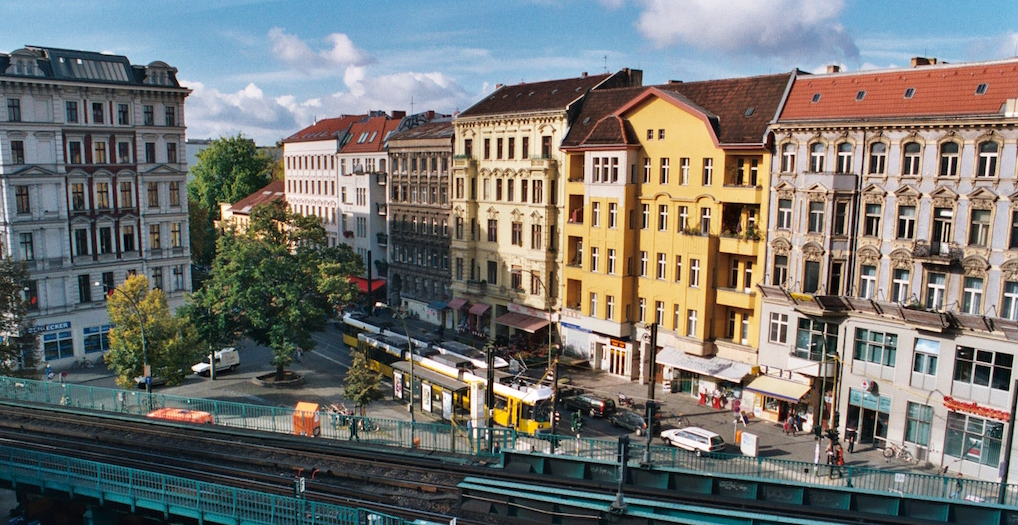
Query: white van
<point x="694" y="439"/>
<point x="227" y="360"/>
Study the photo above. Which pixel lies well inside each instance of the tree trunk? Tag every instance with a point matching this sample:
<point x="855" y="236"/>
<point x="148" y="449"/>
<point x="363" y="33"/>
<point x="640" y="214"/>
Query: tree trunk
<point x="280" y="373"/>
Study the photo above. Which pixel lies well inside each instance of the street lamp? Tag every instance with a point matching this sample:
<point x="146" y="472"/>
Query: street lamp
<point x="398" y="314"/>
<point x="552" y="360"/>
<point x="146" y="371"/>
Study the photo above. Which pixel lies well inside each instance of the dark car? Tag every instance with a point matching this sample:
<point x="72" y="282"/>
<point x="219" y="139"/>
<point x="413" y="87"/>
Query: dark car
<point x="592" y="405"/>
<point x="632" y="421"/>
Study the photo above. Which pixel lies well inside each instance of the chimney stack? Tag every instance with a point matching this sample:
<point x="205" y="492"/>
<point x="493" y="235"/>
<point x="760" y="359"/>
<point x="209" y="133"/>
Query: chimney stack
<point x="584" y="74"/>
<point x="834" y="68"/>
<point x="498" y="86"/>
<point x="923" y="61"/>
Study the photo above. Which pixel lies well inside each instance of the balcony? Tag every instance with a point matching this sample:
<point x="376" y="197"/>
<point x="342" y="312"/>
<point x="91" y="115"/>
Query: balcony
<point x="381" y="178"/>
<point x="381" y="209"/>
<point x="739" y="245"/>
<point x="543" y="163"/>
<point x="478" y="287"/>
<point x="942" y="253"/>
<point x="383" y="239"/>
<point x="736" y="298"/>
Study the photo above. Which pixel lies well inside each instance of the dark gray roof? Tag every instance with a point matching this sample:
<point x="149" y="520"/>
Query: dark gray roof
<point x="83" y="66"/>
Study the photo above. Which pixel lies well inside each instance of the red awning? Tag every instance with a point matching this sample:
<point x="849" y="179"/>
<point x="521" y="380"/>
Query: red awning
<point x="479" y="308"/>
<point x="362" y="284"/>
<point x="457" y="303"/>
<point x="524" y="322"/>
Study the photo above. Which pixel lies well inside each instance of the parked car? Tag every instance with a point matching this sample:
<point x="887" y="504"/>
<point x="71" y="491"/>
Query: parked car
<point x="156" y="381"/>
<point x="694" y="439"/>
<point x="592" y="405"/>
<point x="631" y="421"/>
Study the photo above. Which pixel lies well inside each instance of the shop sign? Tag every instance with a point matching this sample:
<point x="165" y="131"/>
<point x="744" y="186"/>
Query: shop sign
<point x="618" y="343"/>
<point x="951" y="403"/>
<point x="50" y="327"/>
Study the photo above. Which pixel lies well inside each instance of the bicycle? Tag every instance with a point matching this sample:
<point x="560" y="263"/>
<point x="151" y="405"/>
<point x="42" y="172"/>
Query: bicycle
<point x="84" y="362"/>
<point x="893" y="451"/>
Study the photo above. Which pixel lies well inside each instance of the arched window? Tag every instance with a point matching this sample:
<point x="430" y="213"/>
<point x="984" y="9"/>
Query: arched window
<point x="878" y="158"/>
<point x="788" y="158"/>
<point x="949" y="159"/>
<point x="816" y="158"/>
<point x="987" y="166"/>
<point x="910" y="161"/>
<point x="844" y="158"/>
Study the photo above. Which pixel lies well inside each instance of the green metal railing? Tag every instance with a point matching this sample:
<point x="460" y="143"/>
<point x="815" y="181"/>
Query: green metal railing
<point x="172" y="495"/>
<point x="457" y="439"/>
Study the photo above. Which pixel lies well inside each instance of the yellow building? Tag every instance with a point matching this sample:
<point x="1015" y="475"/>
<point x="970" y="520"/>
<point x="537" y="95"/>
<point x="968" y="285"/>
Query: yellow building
<point x="506" y="205"/>
<point x="666" y="196"/>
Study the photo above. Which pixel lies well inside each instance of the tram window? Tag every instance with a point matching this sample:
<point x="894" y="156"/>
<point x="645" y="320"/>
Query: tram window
<point x="500" y="403"/>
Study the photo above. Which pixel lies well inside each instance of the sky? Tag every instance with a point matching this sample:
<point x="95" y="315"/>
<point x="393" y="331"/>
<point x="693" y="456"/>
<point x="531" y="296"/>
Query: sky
<point x="266" y="69"/>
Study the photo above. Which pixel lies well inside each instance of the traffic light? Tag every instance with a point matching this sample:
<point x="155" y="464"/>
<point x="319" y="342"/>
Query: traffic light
<point x="817" y="431"/>
<point x="653" y="407"/>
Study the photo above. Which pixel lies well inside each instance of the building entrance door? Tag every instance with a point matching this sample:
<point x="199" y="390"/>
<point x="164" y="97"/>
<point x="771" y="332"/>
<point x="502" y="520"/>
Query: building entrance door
<point x="689" y="382"/>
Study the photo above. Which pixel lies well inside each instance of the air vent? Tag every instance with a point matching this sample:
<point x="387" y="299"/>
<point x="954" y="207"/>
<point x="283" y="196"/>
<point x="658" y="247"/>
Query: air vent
<point x="909" y="92"/>
<point x="816" y="98"/>
<point x="981" y="89"/>
<point x="860" y="95"/>
<point x="750" y="111"/>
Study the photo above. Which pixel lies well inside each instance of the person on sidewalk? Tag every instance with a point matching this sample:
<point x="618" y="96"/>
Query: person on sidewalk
<point x="787" y="427"/>
<point x="850" y="436"/>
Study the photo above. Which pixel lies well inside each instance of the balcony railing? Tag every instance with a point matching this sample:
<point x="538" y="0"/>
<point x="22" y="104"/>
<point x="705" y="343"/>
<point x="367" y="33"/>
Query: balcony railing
<point x="381" y="178"/>
<point x="381" y="209"/>
<point x="383" y="239"/>
<point x="476" y="286"/>
<point x="938" y="252"/>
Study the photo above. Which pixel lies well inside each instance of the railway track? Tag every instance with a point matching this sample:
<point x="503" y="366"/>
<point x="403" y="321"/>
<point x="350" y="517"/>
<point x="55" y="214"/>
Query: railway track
<point x="342" y="473"/>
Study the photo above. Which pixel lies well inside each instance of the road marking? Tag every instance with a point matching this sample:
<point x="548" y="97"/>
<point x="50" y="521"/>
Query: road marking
<point x="334" y="361"/>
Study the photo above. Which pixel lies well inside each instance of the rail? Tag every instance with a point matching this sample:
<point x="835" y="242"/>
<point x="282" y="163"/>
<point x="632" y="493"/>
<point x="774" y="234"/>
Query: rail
<point x="458" y="439"/>
<point x="206" y="502"/>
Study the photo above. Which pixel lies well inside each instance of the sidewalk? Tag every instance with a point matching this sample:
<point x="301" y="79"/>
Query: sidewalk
<point x="772" y="442"/>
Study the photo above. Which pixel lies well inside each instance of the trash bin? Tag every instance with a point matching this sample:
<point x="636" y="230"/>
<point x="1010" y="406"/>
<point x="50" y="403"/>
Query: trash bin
<point x="738" y="437"/>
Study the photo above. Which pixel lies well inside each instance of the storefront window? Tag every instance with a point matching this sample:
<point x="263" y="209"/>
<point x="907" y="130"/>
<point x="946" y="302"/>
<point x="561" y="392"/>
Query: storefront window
<point x="974" y="439"/>
<point x="57" y="345"/>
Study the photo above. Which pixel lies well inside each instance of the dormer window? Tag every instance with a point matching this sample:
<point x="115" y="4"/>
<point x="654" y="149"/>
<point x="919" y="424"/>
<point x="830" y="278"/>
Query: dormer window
<point x="909" y="92"/>
<point x="981" y="89"/>
<point x="816" y="98"/>
<point x="860" y="95"/>
<point x="362" y="138"/>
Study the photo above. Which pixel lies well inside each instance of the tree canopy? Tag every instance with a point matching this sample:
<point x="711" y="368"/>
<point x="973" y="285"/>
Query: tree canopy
<point x="18" y="346"/>
<point x="363" y="385"/>
<point x="230" y="169"/>
<point x="276" y="282"/>
<point x="171" y="343"/>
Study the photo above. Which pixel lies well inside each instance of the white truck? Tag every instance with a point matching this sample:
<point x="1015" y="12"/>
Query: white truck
<point x="227" y="360"/>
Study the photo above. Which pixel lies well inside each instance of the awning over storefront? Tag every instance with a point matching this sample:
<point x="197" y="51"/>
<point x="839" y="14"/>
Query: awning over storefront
<point x="778" y="388"/>
<point x="438" y="305"/>
<point x="362" y="284"/>
<point x="423" y="374"/>
<point x="479" y="308"/>
<point x="524" y="322"/>
<point x="457" y="303"/>
<point x="718" y="367"/>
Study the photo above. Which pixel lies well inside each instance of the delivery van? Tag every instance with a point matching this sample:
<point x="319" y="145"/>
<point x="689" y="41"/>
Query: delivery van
<point x="227" y="360"/>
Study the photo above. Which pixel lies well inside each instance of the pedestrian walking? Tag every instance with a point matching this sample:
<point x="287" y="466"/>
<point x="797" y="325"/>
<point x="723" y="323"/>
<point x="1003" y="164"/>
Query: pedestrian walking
<point x="850" y="436"/>
<point x="353" y="430"/>
<point x="830" y="454"/>
<point x="787" y="427"/>
<point x="957" y="488"/>
<point x="839" y="458"/>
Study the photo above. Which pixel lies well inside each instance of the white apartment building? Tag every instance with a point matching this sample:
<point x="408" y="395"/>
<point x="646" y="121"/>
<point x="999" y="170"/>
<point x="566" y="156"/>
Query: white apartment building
<point x="92" y="187"/>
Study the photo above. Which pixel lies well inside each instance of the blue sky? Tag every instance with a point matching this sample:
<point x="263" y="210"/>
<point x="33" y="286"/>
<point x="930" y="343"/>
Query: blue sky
<point x="269" y="68"/>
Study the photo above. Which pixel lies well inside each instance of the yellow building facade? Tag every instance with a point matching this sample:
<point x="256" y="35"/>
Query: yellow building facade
<point x="665" y="209"/>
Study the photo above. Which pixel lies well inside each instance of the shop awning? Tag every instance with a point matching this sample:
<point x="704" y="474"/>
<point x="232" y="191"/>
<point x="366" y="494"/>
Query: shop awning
<point x="457" y="303"/>
<point x="479" y="308"/>
<point x="430" y="376"/>
<point x="362" y="284"/>
<point x="524" y="322"/>
<point x="778" y="388"/>
<point x="438" y="305"/>
<point x="718" y="367"/>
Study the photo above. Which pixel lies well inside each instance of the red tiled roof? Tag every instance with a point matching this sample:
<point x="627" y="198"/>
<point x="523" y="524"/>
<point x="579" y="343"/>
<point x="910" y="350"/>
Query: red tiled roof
<point x="946" y="90"/>
<point x="534" y="96"/>
<point x="325" y="129"/>
<point x="376" y="129"/>
<point x="724" y="103"/>
<point x="272" y="192"/>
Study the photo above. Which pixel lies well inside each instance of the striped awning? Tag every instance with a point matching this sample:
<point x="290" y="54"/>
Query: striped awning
<point x="778" y="388"/>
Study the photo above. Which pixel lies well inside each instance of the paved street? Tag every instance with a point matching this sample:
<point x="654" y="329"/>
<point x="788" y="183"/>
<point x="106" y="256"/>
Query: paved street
<point x="325" y="367"/>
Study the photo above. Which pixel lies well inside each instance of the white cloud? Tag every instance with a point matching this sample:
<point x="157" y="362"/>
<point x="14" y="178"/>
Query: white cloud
<point x="764" y="28"/>
<point x="297" y="54"/>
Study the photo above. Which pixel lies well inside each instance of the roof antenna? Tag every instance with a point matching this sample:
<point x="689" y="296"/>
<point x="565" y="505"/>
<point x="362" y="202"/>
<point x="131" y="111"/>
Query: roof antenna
<point x="606" y="63"/>
<point x="411" y="104"/>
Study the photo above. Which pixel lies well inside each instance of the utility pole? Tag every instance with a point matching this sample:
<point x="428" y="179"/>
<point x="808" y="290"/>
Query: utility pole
<point x="1008" y="443"/>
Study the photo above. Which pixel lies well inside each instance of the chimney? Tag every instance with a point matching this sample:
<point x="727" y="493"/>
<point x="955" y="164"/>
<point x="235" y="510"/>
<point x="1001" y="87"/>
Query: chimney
<point x="635" y="77"/>
<point x="398" y="114"/>
<point x="583" y="75"/>
<point x="923" y="61"/>
<point x="834" y="68"/>
<point x="430" y="114"/>
<point x="499" y="86"/>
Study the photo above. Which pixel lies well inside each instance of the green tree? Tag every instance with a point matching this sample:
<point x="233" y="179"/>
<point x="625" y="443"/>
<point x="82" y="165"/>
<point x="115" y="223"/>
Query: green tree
<point x="203" y="240"/>
<point x="277" y="282"/>
<point x="363" y="385"/>
<point x="171" y="343"/>
<point x="230" y="169"/>
<point x="19" y="350"/>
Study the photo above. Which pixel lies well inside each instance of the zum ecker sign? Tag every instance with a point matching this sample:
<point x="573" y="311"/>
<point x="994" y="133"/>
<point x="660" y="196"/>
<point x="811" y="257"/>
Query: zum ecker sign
<point x="960" y="406"/>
